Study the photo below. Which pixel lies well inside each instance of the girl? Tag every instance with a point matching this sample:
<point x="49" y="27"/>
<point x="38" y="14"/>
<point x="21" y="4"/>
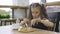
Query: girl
<point x="38" y="17"/>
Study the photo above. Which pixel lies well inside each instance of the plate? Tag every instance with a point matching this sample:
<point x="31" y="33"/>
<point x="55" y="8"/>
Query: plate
<point x="27" y="29"/>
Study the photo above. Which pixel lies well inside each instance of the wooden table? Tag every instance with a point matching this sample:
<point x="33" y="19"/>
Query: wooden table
<point x="7" y="20"/>
<point x="9" y="30"/>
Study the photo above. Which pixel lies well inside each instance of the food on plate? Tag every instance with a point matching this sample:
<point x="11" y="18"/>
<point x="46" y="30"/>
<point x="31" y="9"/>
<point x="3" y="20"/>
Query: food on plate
<point x="27" y="29"/>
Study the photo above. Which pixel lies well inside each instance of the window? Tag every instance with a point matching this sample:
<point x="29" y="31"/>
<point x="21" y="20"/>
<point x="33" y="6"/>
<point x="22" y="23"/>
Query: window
<point x="5" y="11"/>
<point x="5" y="2"/>
<point x="53" y="8"/>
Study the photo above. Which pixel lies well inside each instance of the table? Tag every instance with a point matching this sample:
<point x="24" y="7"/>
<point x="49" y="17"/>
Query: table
<point x="8" y="20"/>
<point x="9" y="30"/>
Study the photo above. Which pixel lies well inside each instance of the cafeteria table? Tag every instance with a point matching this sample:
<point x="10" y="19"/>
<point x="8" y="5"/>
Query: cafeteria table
<point x="9" y="30"/>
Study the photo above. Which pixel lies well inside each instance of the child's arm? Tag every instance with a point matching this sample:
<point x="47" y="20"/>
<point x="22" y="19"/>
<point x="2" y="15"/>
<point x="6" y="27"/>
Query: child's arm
<point x="46" y="22"/>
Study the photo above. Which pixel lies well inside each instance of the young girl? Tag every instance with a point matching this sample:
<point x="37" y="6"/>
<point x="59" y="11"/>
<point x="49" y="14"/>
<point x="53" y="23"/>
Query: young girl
<point x="38" y="17"/>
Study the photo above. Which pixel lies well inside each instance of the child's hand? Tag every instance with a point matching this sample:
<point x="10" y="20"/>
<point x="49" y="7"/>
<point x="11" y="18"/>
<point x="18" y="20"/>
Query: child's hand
<point x="33" y="21"/>
<point x="25" y="20"/>
<point x="22" y="22"/>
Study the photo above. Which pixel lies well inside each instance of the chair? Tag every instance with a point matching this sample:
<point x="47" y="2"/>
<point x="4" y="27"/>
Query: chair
<point x="53" y="17"/>
<point x="7" y="20"/>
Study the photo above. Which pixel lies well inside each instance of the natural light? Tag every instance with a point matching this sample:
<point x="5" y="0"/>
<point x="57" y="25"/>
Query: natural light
<point x="6" y="2"/>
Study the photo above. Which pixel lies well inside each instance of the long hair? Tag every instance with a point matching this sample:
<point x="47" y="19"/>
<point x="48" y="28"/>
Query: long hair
<point x="43" y="13"/>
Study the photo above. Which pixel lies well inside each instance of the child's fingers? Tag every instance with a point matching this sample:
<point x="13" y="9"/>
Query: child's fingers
<point x="22" y="22"/>
<point x="32" y="22"/>
<point x="26" y="20"/>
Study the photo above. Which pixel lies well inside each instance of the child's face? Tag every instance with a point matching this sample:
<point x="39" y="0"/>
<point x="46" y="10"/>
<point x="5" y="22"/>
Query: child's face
<point x="35" y="12"/>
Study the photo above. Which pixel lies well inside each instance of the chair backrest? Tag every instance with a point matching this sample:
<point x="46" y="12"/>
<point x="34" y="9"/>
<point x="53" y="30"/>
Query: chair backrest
<point x="53" y="17"/>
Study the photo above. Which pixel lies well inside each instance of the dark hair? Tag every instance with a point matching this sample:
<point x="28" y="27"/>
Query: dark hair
<point x="42" y="11"/>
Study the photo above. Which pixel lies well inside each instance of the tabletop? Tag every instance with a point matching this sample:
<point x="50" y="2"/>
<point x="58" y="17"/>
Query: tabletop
<point x="9" y="30"/>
